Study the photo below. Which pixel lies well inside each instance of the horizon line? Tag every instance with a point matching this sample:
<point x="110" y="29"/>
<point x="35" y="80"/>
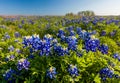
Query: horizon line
<point x="51" y="15"/>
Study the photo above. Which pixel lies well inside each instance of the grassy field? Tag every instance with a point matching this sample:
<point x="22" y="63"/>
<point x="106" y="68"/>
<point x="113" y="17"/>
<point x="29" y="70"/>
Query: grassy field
<point x="59" y="49"/>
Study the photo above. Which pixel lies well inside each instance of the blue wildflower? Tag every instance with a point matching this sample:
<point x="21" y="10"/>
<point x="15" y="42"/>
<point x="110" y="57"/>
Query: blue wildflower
<point x="92" y="44"/>
<point x="48" y="38"/>
<point x="17" y="34"/>
<point x="78" y="30"/>
<point x="115" y="55"/>
<point x="18" y="50"/>
<point x="8" y="58"/>
<point x="51" y="73"/>
<point x="106" y="73"/>
<point x="11" y="48"/>
<point x="60" y="33"/>
<point x="23" y="64"/>
<point x="10" y="75"/>
<point x="73" y="70"/>
<point x="72" y="43"/>
<point x="103" y="33"/>
<point x="113" y="33"/>
<point x="119" y="58"/>
<point x="7" y="36"/>
<point x="22" y="21"/>
<point x="72" y="33"/>
<point x="103" y="48"/>
<point x="84" y="35"/>
<point x="31" y="56"/>
<point x="20" y="26"/>
<point x="59" y="50"/>
<point x="45" y="47"/>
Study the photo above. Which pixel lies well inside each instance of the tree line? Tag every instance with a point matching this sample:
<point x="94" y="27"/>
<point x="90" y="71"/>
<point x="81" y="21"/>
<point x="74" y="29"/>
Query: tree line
<point x="82" y="13"/>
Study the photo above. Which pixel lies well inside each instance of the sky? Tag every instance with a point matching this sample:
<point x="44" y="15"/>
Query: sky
<point x="58" y="7"/>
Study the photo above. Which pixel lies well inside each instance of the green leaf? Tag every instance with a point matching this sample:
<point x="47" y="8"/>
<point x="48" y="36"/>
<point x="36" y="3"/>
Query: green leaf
<point x="97" y="79"/>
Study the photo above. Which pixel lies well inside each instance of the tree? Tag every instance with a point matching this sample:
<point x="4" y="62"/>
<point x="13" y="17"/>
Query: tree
<point x="86" y="13"/>
<point x="69" y="14"/>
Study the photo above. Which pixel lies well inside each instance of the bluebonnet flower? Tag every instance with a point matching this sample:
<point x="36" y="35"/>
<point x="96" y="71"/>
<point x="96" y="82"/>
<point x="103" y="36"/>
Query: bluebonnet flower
<point x="103" y="33"/>
<point x="80" y="53"/>
<point x="93" y="32"/>
<point x="72" y="33"/>
<point x="17" y="34"/>
<point x="35" y="44"/>
<point x="45" y="45"/>
<point x="48" y="38"/>
<point x="70" y="28"/>
<point x="85" y="22"/>
<point x="104" y="49"/>
<point x="31" y="56"/>
<point x="20" y="26"/>
<point x="92" y="44"/>
<point x="23" y="64"/>
<point x="31" y="50"/>
<point x="31" y="22"/>
<point x="11" y="48"/>
<point x="18" y="50"/>
<point x="116" y="22"/>
<point x="78" y="30"/>
<point x="106" y="73"/>
<point x="51" y="73"/>
<point x="10" y="75"/>
<point x="113" y="33"/>
<point x="22" y="21"/>
<point x="84" y="35"/>
<point x="115" y="55"/>
<point x="101" y="19"/>
<point x="54" y="42"/>
<point x="63" y="38"/>
<point x="119" y="58"/>
<point x="11" y="57"/>
<point x="60" y="33"/>
<point x="45" y="48"/>
<point x="94" y="22"/>
<point x="109" y="21"/>
<point x="72" y="43"/>
<point x="7" y="59"/>
<point x="27" y="41"/>
<point x="34" y="41"/>
<point x="73" y="70"/>
<point x="59" y="50"/>
<point x="31" y="40"/>
<point x="7" y="36"/>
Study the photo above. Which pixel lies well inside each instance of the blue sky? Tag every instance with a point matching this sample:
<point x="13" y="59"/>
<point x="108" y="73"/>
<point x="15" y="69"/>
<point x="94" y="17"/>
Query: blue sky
<point x="58" y="7"/>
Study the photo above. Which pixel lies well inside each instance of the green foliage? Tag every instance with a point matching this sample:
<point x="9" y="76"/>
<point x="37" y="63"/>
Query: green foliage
<point x="89" y="64"/>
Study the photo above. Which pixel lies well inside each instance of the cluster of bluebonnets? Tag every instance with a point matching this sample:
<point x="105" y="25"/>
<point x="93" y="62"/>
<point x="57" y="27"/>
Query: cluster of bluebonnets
<point x="107" y="73"/>
<point x="65" y="42"/>
<point x="116" y="56"/>
<point x="73" y="70"/>
<point x="51" y="72"/>
<point x="9" y="75"/>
